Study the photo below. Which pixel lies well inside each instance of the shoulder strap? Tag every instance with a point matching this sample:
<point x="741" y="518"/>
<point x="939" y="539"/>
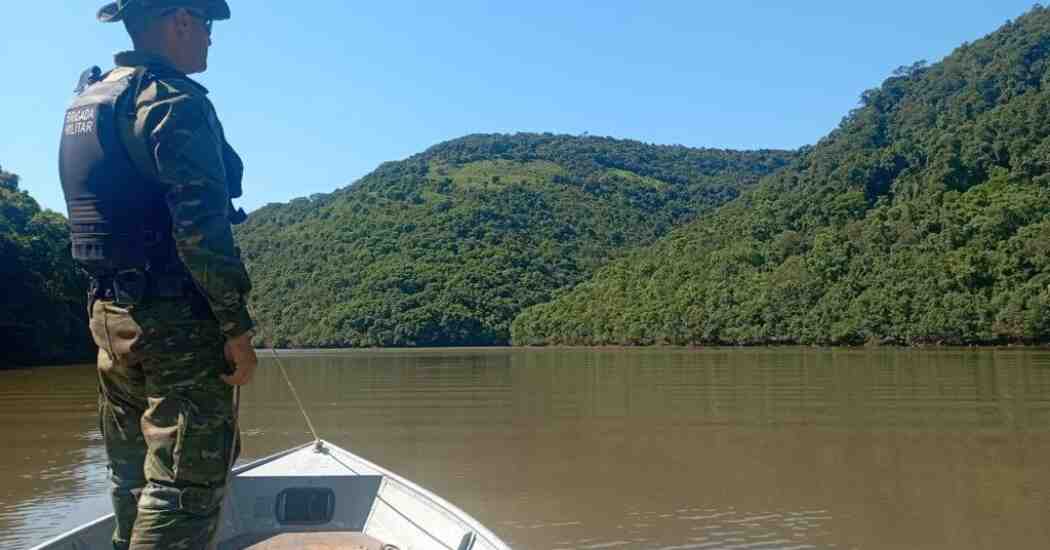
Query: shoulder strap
<point x="87" y="78"/>
<point x="139" y="152"/>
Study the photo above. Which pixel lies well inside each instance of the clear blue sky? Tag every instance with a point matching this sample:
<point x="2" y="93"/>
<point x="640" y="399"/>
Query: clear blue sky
<point x="317" y="94"/>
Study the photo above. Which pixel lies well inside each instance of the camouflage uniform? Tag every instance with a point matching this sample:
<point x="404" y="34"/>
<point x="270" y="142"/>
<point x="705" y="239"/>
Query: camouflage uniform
<point x="168" y="419"/>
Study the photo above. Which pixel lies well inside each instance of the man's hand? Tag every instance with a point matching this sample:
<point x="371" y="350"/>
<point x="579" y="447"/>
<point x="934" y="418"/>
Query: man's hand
<point x="241" y="354"/>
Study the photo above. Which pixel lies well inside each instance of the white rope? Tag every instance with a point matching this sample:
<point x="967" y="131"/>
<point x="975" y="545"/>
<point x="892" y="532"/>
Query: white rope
<point x="295" y="394"/>
<point x="236" y="430"/>
<point x="288" y="380"/>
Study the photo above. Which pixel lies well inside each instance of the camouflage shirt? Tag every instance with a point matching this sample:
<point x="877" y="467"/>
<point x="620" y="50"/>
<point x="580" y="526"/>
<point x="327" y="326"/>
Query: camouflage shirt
<point x="176" y="138"/>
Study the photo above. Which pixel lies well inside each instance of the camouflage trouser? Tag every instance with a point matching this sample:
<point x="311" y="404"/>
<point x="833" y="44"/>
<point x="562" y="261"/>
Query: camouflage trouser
<point x="168" y="421"/>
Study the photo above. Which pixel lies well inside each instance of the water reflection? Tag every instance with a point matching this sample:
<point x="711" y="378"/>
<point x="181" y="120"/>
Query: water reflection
<point x="53" y="473"/>
<point x="656" y="449"/>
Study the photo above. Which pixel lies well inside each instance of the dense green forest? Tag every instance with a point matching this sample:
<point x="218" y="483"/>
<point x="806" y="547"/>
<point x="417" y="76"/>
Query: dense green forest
<point x="922" y="219"/>
<point x="447" y="247"/>
<point x="44" y="313"/>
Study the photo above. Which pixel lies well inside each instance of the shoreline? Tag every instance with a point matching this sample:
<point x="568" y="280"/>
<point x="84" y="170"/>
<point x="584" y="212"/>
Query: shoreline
<point x="265" y="353"/>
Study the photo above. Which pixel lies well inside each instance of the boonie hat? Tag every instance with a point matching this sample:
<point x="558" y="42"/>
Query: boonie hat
<point x="114" y="11"/>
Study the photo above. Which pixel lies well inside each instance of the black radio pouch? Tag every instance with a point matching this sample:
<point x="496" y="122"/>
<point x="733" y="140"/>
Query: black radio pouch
<point x="130" y="287"/>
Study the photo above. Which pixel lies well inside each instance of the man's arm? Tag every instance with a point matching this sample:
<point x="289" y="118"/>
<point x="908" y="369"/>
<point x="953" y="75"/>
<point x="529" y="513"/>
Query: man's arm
<point x="188" y="157"/>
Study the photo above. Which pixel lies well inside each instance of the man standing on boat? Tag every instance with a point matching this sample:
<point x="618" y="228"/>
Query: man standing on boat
<point x="149" y="178"/>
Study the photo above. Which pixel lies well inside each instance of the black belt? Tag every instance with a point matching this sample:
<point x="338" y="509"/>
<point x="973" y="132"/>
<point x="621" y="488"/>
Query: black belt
<point x="135" y="286"/>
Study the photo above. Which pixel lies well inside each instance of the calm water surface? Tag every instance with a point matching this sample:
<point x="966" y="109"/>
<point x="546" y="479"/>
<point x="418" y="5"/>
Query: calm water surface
<point x="646" y="449"/>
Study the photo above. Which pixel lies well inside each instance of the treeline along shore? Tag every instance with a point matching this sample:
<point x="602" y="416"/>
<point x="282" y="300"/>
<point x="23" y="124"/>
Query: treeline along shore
<point x="921" y="220"/>
<point x="43" y="298"/>
<point x="447" y="247"/>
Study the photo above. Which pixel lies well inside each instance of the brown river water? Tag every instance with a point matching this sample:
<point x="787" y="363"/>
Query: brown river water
<point x="628" y="449"/>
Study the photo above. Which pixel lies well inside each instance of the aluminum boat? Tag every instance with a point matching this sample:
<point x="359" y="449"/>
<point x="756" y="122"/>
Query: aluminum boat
<point x="321" y="497"/>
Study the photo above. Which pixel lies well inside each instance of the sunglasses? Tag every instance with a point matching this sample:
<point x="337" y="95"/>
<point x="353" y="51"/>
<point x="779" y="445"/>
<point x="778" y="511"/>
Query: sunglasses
<point x="208" y="22"/>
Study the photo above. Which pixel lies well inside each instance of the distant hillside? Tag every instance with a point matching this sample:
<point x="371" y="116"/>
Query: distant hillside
<point x="922" y="219"/>
<point x="447" y="247"/>
<point x="44" y="313"/>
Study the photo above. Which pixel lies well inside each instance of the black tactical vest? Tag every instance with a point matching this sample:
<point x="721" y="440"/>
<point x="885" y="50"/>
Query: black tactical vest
<point x="118" y="217"/>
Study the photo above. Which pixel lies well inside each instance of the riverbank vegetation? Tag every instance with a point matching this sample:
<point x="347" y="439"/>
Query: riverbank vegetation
<point x="44" y="313"/>
<point x="447" y="247"/>
<point x="922" y="219"/>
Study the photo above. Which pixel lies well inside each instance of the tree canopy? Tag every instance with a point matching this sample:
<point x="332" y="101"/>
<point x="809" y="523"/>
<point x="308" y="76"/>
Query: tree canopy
<point x="44" y="316"/>
<point x="447" y="247"/>
<point x="922" y="219"/>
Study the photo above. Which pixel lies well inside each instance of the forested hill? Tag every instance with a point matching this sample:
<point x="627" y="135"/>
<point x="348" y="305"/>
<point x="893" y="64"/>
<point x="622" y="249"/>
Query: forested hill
<point x="447" y="247"/>
<point x="922" y="219"/>
<point x="43" y="316"/>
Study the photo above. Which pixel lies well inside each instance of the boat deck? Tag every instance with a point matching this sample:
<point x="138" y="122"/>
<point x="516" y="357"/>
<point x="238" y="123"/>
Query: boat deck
<point x="321" y="497"/>
<point x="304" y="541"/>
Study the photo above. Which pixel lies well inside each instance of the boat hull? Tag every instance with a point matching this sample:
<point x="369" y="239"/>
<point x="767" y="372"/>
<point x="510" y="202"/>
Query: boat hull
<point x="321" y="496"/>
